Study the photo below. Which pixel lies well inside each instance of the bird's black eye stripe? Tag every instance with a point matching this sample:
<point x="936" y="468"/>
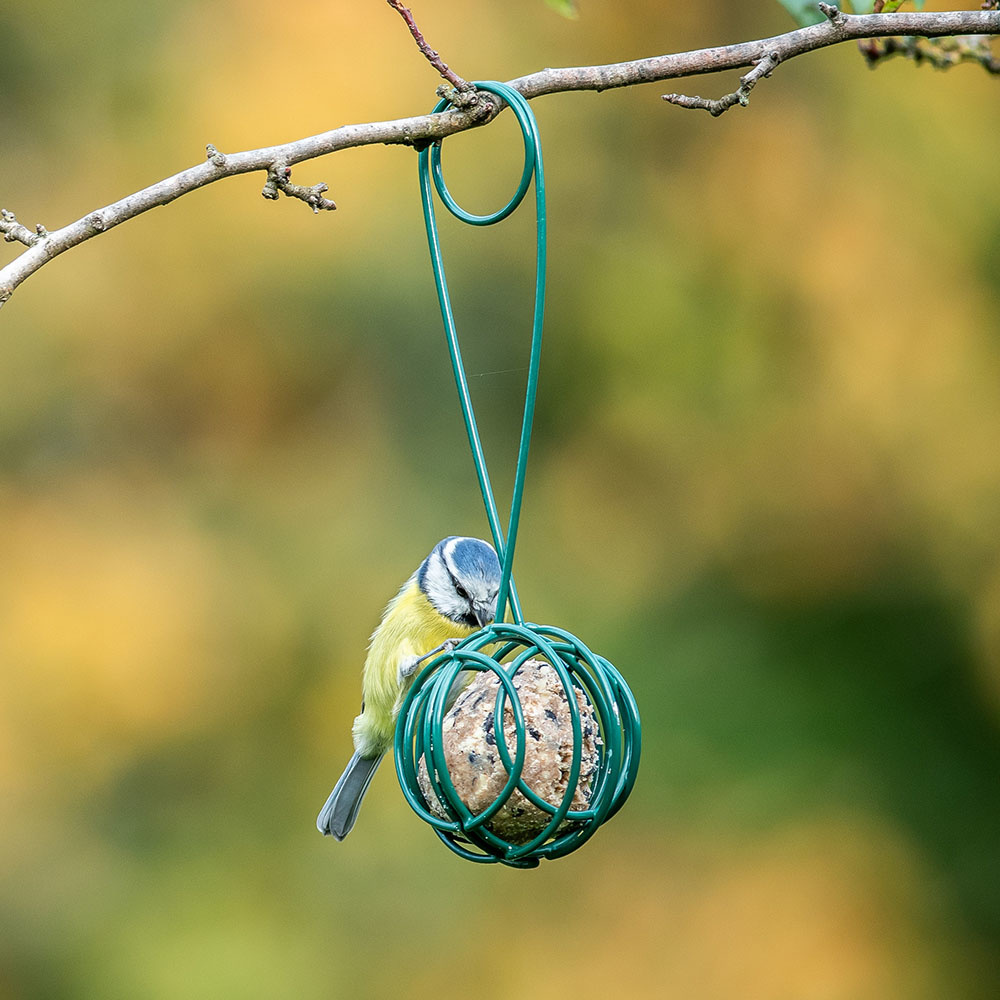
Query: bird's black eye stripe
<point x="459" y="589"/>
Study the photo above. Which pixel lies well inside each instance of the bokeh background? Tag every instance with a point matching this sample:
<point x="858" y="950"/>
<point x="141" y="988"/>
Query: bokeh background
<point x="766" y="484"/>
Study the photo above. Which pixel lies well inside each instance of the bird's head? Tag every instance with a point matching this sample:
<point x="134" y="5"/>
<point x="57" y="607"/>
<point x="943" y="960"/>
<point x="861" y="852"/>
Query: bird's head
<point x="461" y="578"/>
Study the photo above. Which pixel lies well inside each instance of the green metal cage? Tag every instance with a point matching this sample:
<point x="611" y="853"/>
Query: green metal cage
<point x="419" y="738"/>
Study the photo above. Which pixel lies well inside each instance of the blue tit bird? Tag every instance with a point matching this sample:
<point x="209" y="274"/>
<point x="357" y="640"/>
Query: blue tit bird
<point x="450" y="596"/>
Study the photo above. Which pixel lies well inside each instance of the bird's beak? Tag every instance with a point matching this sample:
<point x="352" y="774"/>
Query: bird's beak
<point x="483" y="615"/>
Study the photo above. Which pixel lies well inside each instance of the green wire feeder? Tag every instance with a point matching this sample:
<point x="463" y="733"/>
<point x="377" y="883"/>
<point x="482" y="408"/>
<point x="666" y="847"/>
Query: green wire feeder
<point x="503" y="648"/>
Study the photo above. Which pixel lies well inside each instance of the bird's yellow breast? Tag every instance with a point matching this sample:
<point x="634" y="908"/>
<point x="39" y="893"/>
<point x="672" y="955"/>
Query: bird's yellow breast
<point x="412" y="626"/>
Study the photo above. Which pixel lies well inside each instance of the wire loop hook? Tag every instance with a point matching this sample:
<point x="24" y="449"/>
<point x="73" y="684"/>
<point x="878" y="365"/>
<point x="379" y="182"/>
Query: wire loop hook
<point x="432" y="179"/>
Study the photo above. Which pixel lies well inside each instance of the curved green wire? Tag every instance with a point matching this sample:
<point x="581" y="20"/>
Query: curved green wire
<point x="430" y="169"/>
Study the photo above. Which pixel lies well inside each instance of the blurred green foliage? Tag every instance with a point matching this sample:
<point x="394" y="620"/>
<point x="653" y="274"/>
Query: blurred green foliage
<point x="565" y="7"/>
<point x="765" y="483"/>
<point x="808" y="12"/>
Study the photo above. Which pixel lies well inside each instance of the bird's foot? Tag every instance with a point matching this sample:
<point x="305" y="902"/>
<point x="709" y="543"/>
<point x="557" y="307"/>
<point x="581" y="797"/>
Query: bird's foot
<point x="407" y="668"/>
<point x="408" y="664"/>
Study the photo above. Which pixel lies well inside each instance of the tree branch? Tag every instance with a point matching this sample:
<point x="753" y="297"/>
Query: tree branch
<point x="43" y="246"/>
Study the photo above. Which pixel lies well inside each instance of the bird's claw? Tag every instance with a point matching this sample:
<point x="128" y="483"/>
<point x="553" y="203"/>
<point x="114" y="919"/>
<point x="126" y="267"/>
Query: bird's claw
<point x="407" y="668"/>
<point x="408" y="664"/>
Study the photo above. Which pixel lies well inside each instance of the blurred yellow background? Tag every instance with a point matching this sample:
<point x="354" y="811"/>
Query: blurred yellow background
<point x="765" y="483"/>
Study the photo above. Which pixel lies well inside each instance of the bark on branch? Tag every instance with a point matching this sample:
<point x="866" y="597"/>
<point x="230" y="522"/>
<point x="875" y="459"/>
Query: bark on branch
<point x="276" y="161"/>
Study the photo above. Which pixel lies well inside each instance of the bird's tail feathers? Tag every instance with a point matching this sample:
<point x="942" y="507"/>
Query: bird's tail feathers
<point x="337" y="817"/>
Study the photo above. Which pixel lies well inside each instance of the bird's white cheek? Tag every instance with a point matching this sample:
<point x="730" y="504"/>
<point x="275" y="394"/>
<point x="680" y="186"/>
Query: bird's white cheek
<point x="453" y="608"/>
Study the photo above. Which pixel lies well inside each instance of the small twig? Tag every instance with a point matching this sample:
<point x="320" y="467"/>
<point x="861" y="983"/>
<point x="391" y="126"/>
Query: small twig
<point x="214" y="156"/>
<point x="434" y="57"/>
<point x="941" y="53"/>
<point x="279" y="179"/>
<point x="741" y="95"/>
<point x="833" y="14"/>
<point x="14" y="232"/>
